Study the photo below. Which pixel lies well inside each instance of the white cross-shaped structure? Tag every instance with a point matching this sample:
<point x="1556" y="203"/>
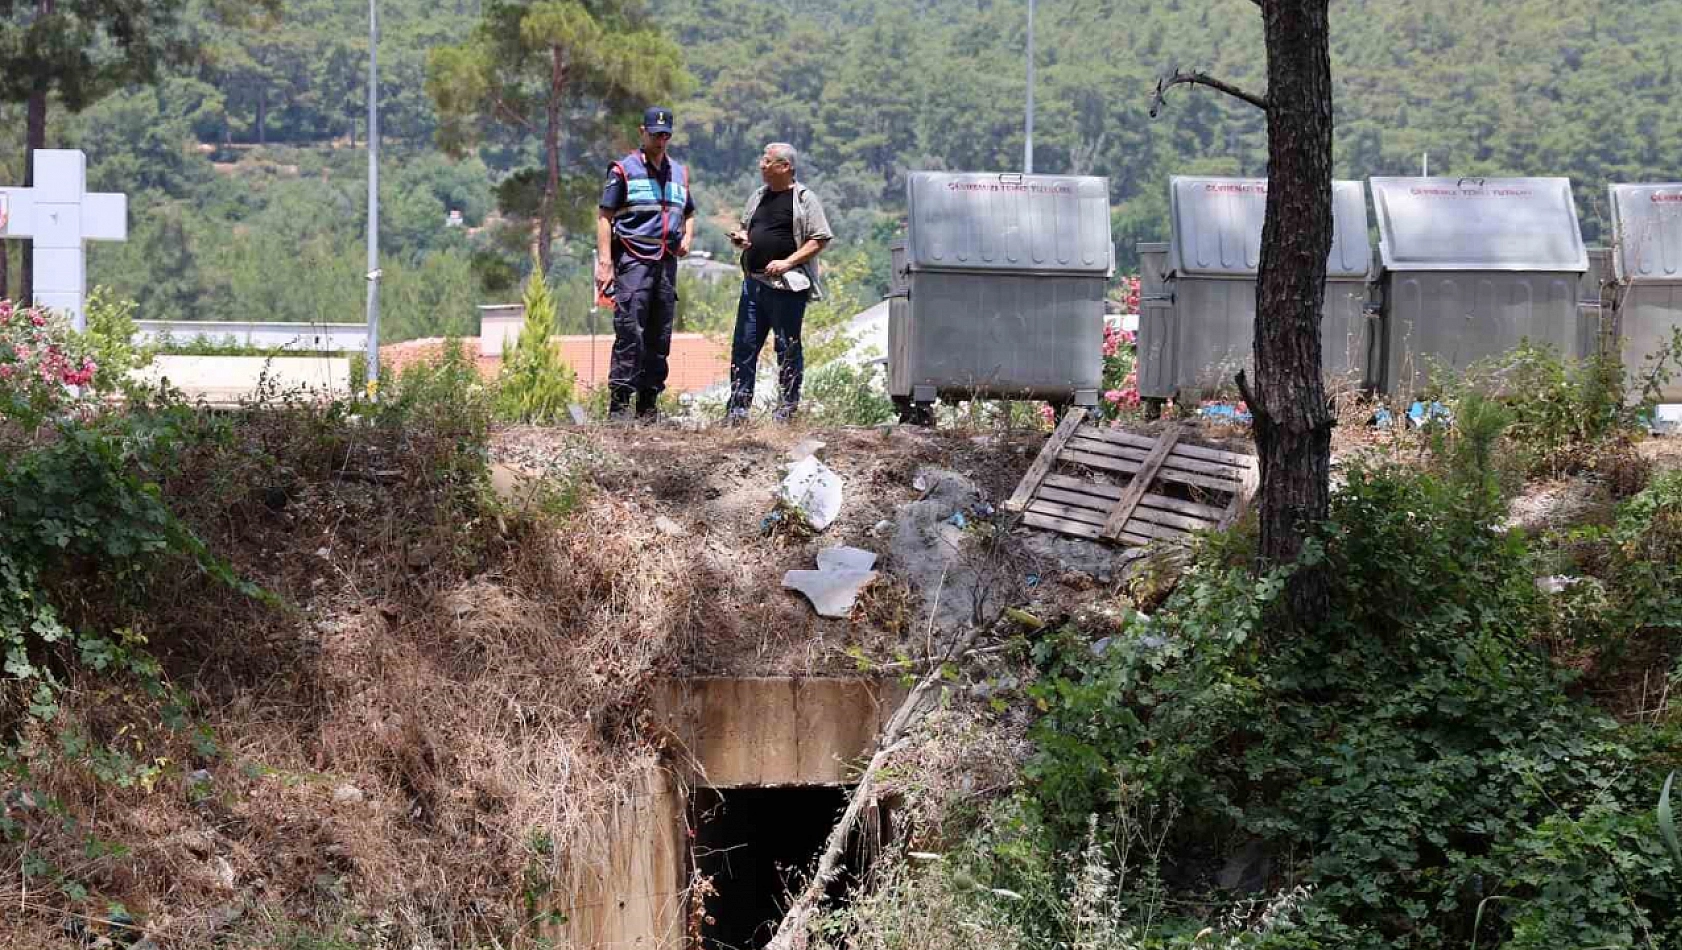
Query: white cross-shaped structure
<point x="59" y="215"/>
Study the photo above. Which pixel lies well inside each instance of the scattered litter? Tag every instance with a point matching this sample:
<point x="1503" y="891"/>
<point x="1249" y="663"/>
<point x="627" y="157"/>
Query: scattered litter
<point x="842" y="573"/>
<point x="808" y="448"/>
<point x="958" y="520"/>
<point x="844" y="558"/>
<point x="1032" y="580"/>
<point x="1666" y="420"/>
<point x="1382" y="419"/>
<point x="881" y="528"/>
<point x="815" y="490"/>
<point x="1025" y="618"/>
<point x="579" y="416"/>
<point x="668" y="527"/>
<point x="1419" y="414"/>
<point x="920" y="481"/>
<point x="1225" y="412"/>
<point x="1556" y="584"/>
<point x="348" y="795"/>
<point x="1100" y="645"/>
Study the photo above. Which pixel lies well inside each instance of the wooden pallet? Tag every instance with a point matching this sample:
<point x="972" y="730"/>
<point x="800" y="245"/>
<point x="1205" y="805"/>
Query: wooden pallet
<point x="1057" y="494"/>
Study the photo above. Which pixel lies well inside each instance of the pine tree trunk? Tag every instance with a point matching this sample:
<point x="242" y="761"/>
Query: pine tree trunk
<point x="552" y="156"/>
<point x="1293" y="424"/>
<point x="35" y="136"/>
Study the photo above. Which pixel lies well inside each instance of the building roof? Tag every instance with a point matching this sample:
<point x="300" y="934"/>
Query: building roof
<point x="697" y="362"/>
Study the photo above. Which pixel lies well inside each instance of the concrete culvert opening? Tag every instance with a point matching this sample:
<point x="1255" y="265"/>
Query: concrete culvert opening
<point x="758" y="845"/>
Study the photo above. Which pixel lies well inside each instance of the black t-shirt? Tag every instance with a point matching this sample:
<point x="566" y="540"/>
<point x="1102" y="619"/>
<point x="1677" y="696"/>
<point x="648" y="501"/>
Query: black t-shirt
<point x="771" y="232"/>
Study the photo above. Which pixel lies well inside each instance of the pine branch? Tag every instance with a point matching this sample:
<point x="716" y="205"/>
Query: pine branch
<point x="1183" y="78"/>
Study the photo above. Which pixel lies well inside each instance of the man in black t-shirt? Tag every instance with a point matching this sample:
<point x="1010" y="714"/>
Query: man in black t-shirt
<point x="783" y="230"/>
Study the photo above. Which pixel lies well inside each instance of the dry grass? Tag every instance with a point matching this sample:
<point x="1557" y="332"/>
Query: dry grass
<point x="423" y="741"/>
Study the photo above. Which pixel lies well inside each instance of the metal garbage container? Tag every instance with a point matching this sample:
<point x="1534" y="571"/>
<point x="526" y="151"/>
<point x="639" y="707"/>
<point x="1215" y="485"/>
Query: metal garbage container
<point x="1198" y="291"/>
<point x="1472" y="267"/>
<point x="1647" y="266"/>
<point x="998" y="290"/>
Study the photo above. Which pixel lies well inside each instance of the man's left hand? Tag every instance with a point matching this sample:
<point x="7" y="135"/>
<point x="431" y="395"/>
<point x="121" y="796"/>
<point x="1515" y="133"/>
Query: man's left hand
<point x="778" y="268"/>
<point x="683" y="247"/>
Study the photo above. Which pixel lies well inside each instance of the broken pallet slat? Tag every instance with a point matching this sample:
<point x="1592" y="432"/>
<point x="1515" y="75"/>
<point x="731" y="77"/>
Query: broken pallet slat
<point x="1066" y="512"/>
<point x="1120" y="437"/>
<point x="1141" y="482"/>
<point x="1241" y="499"/>
<point x="1077" y="499"/>
<point x="1170" y="520"/>
<point x="1080" y="502"/>
<point x="1079" y="529"/>
<point x="1047" y="458"/>
<point x="1172" y="475"/>
<point x="1174" y="461"/>
<point x="1111" y="493"/>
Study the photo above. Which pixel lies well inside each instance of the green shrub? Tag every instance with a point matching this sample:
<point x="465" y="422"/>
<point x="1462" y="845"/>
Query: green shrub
<point x="1415" y="761"/>
<point x="841" y="394"/>
<point x="1565" y="414"/>
<point x="536" y="387"/>
<point x="110" y="340"/>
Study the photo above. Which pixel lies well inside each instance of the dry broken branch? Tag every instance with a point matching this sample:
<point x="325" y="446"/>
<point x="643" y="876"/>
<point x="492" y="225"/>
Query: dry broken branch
<point x="791" y="932"/>
<point x="1183" y="78"/>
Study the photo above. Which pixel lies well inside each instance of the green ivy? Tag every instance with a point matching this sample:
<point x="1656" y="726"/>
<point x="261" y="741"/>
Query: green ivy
<point x="1417" y="760"/>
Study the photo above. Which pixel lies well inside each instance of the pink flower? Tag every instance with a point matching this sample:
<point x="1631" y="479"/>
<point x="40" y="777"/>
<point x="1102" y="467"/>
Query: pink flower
<point x="1113" y="396"/>
<point x="7" y="369"/>
<point x="1047" y="413"/>
<point x="1130" y="338"/>
<point x="37" y="319"/>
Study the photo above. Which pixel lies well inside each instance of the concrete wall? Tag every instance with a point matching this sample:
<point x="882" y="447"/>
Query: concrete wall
<point x="777" y="730"/>
<point x="633" y="899"/>
<point x="723" y="733"/>
<point x="229" y="379"/>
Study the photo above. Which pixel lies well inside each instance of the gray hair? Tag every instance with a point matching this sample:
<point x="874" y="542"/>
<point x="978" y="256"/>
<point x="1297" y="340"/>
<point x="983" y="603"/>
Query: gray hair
<point x="782" y="151"/>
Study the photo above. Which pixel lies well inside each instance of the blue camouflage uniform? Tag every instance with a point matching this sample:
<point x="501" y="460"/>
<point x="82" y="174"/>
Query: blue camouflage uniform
<point x="649" y="206"/>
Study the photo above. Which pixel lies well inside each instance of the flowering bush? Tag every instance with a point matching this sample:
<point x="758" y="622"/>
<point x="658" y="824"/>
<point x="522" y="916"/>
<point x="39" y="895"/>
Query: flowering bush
<point x="1121" y="377"/>
<point x="40" y="358"/>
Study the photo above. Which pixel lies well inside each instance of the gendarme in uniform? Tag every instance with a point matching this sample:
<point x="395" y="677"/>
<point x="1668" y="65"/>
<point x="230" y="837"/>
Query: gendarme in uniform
<point x="646" y="223"/>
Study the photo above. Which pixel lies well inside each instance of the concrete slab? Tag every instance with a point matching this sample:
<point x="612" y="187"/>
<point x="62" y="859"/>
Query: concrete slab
<point x="230" y="379"/>
<point x="634" y="898"/>
<point x="769" y="731"/>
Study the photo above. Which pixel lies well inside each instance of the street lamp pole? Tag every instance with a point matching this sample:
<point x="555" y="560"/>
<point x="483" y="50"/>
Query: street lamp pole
<point x="1028" y="140"/>
<point x="373" y="361"/>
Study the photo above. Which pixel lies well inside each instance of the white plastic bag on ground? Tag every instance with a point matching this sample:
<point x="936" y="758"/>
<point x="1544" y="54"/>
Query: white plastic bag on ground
<point x="814" y="489"/>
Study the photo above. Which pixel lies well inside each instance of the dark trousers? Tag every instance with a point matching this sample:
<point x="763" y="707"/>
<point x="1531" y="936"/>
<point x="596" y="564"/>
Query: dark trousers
<point x="765" y="311"/>
<point x="644" y="305"/>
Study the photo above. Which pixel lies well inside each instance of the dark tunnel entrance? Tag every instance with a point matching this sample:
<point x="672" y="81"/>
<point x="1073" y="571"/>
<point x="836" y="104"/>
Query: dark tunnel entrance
<point x="757" y="845"/>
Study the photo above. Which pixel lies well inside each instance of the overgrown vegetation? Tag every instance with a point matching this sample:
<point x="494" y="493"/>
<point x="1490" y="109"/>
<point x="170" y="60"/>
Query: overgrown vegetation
<point x="237" y="646"/>
<point x="536" y="387"/>
<point x="1462" y="756"/>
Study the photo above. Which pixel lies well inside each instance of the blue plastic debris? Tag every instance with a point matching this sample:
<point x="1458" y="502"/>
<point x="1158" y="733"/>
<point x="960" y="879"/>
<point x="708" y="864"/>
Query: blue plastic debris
<point x="1418" y="414"/>
<point x="1226" y="412"/>
<point x="1382" y="419"/>
<point x="1032" y="580"/>
<point x="957" y="519"/>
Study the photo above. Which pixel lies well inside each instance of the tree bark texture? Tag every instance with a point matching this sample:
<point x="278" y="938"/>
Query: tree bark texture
<point x="1293" y="424"/>
<point x="35" y="136"/>
<point x="551" y="156"/>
